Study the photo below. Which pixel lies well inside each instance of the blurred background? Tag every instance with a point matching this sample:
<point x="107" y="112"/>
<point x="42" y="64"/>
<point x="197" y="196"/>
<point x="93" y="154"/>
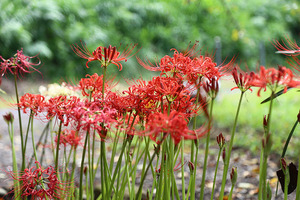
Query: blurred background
<point x="226" y="27"/>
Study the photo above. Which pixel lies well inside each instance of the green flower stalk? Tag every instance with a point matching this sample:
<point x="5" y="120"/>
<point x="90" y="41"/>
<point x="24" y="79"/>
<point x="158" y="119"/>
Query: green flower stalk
<point x="233" y="178"/>
<point x="243" y="82"/>
<point x="212" y="88"/>
<point x="221" y="143"/>
<point x="9" y="119"/>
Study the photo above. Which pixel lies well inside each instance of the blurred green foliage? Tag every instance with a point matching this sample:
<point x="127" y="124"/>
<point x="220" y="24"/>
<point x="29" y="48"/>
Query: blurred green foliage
<point x="49" y="27"/>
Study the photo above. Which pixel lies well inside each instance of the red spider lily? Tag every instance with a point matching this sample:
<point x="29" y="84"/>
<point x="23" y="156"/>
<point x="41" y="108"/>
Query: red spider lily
<point x="117" y="102"/>
<point x="189" y="65"/>
<point x="273" y="78"/>
<point x="40" y="183"/>
<point x="91" y="85"/>
<point x="202" y="66"/>
<point x="184" y="103"/>
<point x="221" y="140"/>
<point x="289" y="48"/>
<point x="166" y="86"/>
<point x="174" y="125"/>
<point x="140" y="99"/>
<point x="105" y="55"/>
<point x="87" y="115"/>
<point x="34" y="102"/>
<point x="176" y="64"/>
<point x="211" y="87"/>
<point x="242" y="80"/>
<point x="61" y="107"/>
<point x="18" y="64"/>
<point x="8" y="117"/>
<point x="70" y="137"/>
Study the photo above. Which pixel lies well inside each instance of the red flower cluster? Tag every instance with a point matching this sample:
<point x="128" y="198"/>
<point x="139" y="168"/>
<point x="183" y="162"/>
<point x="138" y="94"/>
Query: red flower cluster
<point x="105" y="55"/>
<point x="273" y="78"/>
<point x="91" y="85"/>
<point x="35" y="102"/>
<point x="70" y="137"/>
<point x="40" y="183"/>
<point x="242" y="80"/>
<point x="18" y="65"/>
<point x="174" y="124"/>
<point x="287" y="48"/>
<point x="188" y="66"/>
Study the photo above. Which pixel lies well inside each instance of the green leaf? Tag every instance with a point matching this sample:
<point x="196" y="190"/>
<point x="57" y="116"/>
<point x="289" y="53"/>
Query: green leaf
<point x="274" y="96"/>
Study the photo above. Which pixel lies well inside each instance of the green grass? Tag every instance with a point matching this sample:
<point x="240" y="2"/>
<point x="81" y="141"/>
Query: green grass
<point x="250" y="129"/>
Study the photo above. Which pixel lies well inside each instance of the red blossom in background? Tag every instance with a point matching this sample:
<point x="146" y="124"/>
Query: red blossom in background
<point x="70" y="137"/>
<point x="18" y="65"/>
<point x="176" y="64"/>
<point x="91" y="85"/>
<point x="34" y="102"/>
<point x="39" y="183"/>
<point x="93" y="115"/>
<point x="242" y="80"/>
<point x="189" y="66"/>
<point x="61" y="107"/>
<point x="105" y="55"/>
<point x="289" y="48"/>
<point x="273" y="78"/>
<point x="174" y="125"/>
<point x="166" y="86"/>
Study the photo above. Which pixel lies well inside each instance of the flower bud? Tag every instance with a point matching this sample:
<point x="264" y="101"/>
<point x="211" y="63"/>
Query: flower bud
<point x="8" y="118"/>
<point x="85" y="170"/>
<point x="283" y="164"/>
<point x="221" y="140"/>
<point x="265" y="122"/>
<point x="298" y="116"/>
<point x="267" y="144"/>
<point x="233" y="175"/>
<point x="191" y="166"/>
<point x="224" y="155"/>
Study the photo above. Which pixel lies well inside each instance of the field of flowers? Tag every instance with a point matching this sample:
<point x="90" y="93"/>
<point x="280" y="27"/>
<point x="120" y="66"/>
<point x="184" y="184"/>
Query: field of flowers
<point x="146" y="129"/>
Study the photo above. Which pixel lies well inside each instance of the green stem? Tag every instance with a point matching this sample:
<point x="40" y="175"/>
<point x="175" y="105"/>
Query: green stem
<point x="215" y="176"/>
<point x="148" y="167"/>
<point x="231" y="191"/>
<point x="32" y="137"/>
<point x="182" y="169"/>
<point x="20" y="123"/>
<point x="288" y="139"/>
<point x="286" y="182"/>
<point x="194" y="158"/>
<point x="91" y="169"/>
<point x="228" y="153"/>
<point x="206" y="154"/>
<point x="82" y="165"/>
<point x="15" y="166"/>
<point x="57" y="146"/>
<point x="262" y="193"/>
